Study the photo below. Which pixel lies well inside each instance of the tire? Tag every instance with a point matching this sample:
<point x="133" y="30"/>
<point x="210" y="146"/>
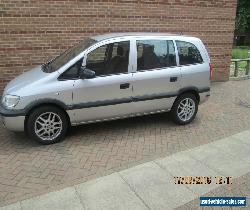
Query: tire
<point x="46" y="131"/>
<point x="178" y="113"/>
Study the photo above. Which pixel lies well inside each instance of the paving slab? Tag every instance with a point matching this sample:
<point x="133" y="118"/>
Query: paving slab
<point x="109" y="192"/>
<point x="182" y="165"/>
<point x="243" y="137"/>
<point x="156" y="187"/>
<point x="234" y="147"/>
<point x="219" y="161"/>
<point x="60" y="200"/>
<point x="15" y="206"/>
<point x="239" y="187"/>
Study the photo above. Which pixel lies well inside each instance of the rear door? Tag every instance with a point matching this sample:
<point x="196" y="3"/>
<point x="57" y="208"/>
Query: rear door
<point x="156" y="80"/>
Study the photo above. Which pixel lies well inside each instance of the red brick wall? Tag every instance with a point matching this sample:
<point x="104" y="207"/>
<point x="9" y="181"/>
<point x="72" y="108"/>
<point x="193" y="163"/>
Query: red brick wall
<point x="32" y="31"/>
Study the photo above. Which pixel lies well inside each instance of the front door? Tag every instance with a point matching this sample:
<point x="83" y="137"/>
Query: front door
<point x="157" y="79"/>
<point x="109" y="94"/>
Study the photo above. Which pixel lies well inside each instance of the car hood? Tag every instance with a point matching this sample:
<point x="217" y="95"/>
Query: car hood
<point x="25" y="79"/>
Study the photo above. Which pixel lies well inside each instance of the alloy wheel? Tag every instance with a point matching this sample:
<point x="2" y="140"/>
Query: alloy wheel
<point x="186" y="109"/>
<point x="48" y="126"/>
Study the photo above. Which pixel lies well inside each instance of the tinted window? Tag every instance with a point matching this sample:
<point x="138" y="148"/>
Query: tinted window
<point x="188" y="53"/>
<point x="109" y="59"/>
<point x="153" y="54"/>
<point x="68" y="55"/>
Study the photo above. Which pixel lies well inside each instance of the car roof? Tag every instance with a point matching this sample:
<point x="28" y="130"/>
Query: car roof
<point x="135" y="34"/>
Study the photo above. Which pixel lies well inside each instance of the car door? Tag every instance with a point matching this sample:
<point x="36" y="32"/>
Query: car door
<point x="109" y="94"/>
<point x="157" y="78"/>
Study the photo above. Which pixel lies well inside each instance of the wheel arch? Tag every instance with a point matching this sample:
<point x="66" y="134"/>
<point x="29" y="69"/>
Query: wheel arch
<point x="193" y="90"/>
<point x="46" y="102"/>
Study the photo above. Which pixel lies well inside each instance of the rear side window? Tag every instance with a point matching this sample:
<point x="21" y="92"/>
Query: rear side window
<point x="188" y="53"/>
<point x="152" y="54"/>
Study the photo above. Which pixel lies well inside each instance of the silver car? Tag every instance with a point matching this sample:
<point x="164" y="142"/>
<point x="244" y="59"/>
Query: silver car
<point x="109" y="77"/>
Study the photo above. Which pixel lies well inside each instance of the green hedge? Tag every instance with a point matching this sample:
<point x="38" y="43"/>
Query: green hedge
<point x="240" y="52"/>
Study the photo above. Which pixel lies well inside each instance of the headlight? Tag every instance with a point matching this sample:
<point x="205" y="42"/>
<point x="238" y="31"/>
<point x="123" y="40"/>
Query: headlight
<point x="10" y="101"/>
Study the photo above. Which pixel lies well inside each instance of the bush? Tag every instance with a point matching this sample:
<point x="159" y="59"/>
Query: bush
<point x="240" y="52"/>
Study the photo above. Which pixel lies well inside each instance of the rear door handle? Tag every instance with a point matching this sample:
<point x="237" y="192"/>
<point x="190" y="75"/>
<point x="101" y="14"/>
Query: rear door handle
<point x="124" y="86"/>
<point x="173" y="79"/>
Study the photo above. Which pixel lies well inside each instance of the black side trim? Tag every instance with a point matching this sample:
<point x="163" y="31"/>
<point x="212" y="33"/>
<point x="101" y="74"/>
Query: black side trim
<point x="203" y="90"/>
<point x="45" y="101"/>
<point x="100" y="103"/>
<point x="23" y="112"/>
<point x="11" y="113"/>
<point x="155" y="96"/>
<point x="120" y="101"/>
<point x="200" y="90"/>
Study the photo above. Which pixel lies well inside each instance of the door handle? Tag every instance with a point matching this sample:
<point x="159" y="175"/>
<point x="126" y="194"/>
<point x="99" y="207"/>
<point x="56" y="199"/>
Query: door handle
<point x="124" y="86"/>
<point x="173" y="79"/>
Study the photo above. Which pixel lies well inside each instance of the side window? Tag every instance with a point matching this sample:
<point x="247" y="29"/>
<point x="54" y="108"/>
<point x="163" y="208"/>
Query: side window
<point x="73" y="71"/>
<point x="188" y="53"/>
<point x="98" y="55"/>
<point x="152" y="54"/>
<point x="109" y="59"/>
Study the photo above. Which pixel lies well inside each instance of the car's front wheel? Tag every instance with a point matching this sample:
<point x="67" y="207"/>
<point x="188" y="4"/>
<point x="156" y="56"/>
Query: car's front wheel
<point x="184" y="109"/>
<point x="47" y="125"/>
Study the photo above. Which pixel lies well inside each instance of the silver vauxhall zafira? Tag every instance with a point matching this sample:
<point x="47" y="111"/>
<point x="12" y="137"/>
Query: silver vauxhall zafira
<point x="109" y="77"/>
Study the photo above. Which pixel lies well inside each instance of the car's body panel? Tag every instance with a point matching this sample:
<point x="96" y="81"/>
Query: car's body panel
<point x="15" y="123"/>
<point x="24" y="80"/>
<point x="149" y="86"/>
<point x="102" y="98"/>
<point x="100" y="95"/>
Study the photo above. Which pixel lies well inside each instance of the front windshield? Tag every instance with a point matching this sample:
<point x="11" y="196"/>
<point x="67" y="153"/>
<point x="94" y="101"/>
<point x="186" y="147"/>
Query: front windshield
<point x="66" y="56"/>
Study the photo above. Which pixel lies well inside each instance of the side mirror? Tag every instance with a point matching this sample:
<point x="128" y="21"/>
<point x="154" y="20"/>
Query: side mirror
<point x="86" y="73"/>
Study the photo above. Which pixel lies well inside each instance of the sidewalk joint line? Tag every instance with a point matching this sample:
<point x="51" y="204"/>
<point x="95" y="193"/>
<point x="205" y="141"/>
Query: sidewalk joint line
<point x="173" y="176"/>
<point x="80" y="198"/>
<point x="134" y="191"/>
<point x="20" y="202"/>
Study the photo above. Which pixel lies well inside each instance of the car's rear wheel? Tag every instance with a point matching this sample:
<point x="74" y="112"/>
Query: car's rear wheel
<point x="47" y="125"/>
<point x="184" y="109"/>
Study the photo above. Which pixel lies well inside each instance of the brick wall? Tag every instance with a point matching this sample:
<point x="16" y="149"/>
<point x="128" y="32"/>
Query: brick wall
<point x="33" y="31"/>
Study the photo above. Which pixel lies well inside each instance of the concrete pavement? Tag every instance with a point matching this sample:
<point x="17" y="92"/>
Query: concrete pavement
<point x="151" y="185"/>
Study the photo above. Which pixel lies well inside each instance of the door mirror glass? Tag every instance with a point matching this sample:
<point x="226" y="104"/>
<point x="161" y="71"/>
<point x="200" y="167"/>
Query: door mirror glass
<point x="86" y="73"/>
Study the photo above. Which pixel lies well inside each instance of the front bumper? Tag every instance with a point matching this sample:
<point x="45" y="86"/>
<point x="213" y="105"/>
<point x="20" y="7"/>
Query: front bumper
<point x="13" y="123"/>
<point x="12" y="119"/>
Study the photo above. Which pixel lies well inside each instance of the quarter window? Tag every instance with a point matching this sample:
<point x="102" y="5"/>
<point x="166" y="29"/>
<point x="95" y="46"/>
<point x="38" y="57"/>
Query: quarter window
<point x="73" y="71"/>
<point x="109" y="59"/>
<point x="188" y="53"/>
<point x="152" y="54"/>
